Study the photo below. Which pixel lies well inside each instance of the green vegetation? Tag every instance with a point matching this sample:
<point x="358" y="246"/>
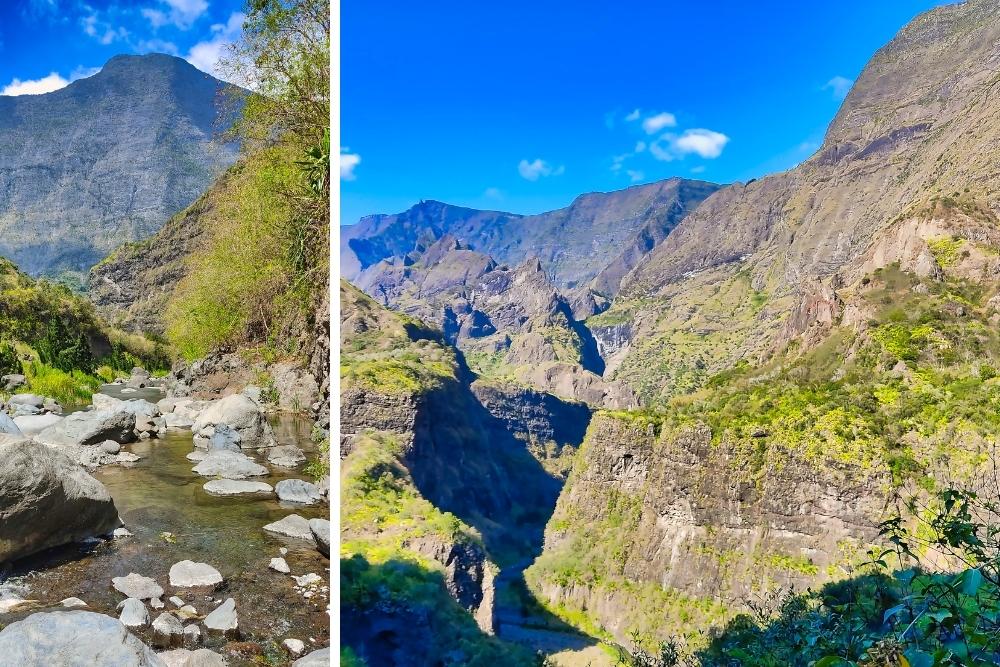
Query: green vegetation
<point x="55" y="339"/>
<point x="261" y="274"/>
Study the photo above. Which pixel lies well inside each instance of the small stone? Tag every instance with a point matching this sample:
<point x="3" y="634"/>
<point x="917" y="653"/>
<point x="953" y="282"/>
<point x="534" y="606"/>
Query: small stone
<point x="279" y="565"/>
<point x="133" y="614"/>
<point x="283" y="551"/>
<point x="223" y="619"/>
<point x="176" y="601"/>
<point x="320" y="658"/>
<point x="137" y="586"/>
<point x="192" y="635"/>
<point x="156" y="603"/>
<point x="187" y="612"/>
<point x="167" y="631"/>
<point x="110" y="447"/>
<point x="294" y="646"/>
<point x="121" y="532"/>
<point x="308" y="579"/>
<point x="73" y="603"/>
<point x="187" y="574"/>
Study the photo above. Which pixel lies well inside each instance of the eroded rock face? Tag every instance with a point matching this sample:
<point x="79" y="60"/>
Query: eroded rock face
<point x="700" y="521"/>
<point x="46" y="500"/>
<point x="73" y="639"/>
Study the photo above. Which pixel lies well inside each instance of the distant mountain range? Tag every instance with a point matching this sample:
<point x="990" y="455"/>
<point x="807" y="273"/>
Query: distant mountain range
<point x="107" y="159"/>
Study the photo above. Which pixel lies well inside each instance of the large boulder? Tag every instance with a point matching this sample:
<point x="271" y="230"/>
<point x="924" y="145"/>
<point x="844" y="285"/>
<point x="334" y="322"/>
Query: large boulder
<point x="230" y="465"/>
<point x="240" y="414"/>
<point x="294" y="526"/>
<point x="46" y="500"/>
<point x="139" y="379"/>
<point x="297" y="491"/>
<point x="90" y="428"/>
<point x="34" y="424"/>
<point x="286" y="456"/>
<point x="7" y="425"/>
<point x="321" y="533"/>
<point x="188" y="574"/>
<point x="141" y="408"/>
<point x="34" y="400"/>
<point x="73" y="639"/>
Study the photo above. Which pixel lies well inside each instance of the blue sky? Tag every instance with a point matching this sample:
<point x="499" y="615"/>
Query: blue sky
<point x="44" y="44"/>
<point x="522" y="105"/>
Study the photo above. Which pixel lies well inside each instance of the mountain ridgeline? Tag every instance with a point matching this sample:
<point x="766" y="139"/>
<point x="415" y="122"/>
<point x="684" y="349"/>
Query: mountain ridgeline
<point x="786" y="378"/>
<point x="108" y="159"/>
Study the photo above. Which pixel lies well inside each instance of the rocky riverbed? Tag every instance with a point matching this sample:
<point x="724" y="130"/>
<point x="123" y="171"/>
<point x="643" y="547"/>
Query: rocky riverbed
<point x="256" y="614"/>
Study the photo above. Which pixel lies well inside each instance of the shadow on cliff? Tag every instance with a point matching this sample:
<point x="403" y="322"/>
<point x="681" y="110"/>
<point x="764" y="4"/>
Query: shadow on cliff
<point x="475" y="463"/>
<point x="399" y="614"/>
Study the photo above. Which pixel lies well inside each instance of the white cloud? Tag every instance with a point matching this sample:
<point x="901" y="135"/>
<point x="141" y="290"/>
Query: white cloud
<point x="633" y="116"/>
<point x="348" y="161"/>
<point x="180" y="13"/>
<point x="36" y="87"/>
<point x="493" y="193"/>
<point x="532" y="171"/>
<point x="634" y="175"/>
<point x="206" y="55"/>
<point x="156" y="46"/>
<point x="698" y="170"/>
<point x="839" y="86"/>
<point x="640" y="146"/>
<point x="101" y="30"/>
<point x="82" y="72"/>
<point x="654" y="124"/>
<point x="706" y="143"/>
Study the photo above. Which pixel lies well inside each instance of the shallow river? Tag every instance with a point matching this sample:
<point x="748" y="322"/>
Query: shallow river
<point x="160" y="494"/>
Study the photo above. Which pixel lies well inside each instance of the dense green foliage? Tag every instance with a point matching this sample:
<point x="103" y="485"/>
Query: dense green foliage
<point x="53" y="337"/>
<point x="263" y="271"/>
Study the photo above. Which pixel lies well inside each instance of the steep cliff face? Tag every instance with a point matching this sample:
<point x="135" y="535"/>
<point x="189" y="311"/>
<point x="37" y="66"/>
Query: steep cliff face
<point x="920" y="124"/>
<point x="509" y="322"/>
<point x="438" y="473"/>
<point x="661" y="530"/>
<point x="142" y="140"/>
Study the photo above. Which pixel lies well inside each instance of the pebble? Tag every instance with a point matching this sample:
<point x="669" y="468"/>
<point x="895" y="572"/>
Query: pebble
<point x="279" y="565"/>
<point x="73" y="603"/>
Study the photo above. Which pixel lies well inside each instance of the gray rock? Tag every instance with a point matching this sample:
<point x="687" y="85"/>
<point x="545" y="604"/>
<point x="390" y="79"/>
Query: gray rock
<point x="104" y="402"/>
<point x="25" y="410"/>
<point x="73" y="639"/>
<point x="310" y="579"/>
<point x="295" y="647"/>
<point x="34" y="424"/>
<point x="321" y="533"/>
<point x="119" y="533"/>
<point x="235" y="487"/>
<point x="133" y="613"/>
<point x="292" y="525"/>
<point x="187" y="574"/>
<point x="50" y="405"/>
<point x="196" y="455"/>
<point x="110" y="447"/>
<point x="184" y="658"/>
<point x="90" y="428"/>
<point x="7" y="425"/>
<point x="279" y="565"/>
<point x="192" y="635"/>
<point x="137" y="586"/>
<point x="167" y="631"/>
<point x="156" y="603"/>
<point x="224" y="437"/>
<point x="324" y="486"/>
<point x="176" y="601"/>
<point x="46" y="500"/>
<point x="231" y="465"/>
<point x="139" y="379"/>
<point x="12" y="381"/>
<point x="320" y="658"/>
<point x="241" y="414"/>
<point x="34" y="400"/>
<point x="73" y="603"/>
<point x="297" y="491"/>
<point x="223" y="620"/>
<point x="141" y="408"/>
<point x="177" y="420"/>
<point x="286" y="456"/>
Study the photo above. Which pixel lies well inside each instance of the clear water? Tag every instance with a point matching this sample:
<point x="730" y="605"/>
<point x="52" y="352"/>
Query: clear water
<point x="160" y="494"/>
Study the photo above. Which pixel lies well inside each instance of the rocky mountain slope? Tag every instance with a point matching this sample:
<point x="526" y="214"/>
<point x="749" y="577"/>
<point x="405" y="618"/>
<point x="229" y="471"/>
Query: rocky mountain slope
<point x="107" y="159"/>
<point x="919" y="128"/>
<point x="447" y="483"/>
<point x="574" y="244"/>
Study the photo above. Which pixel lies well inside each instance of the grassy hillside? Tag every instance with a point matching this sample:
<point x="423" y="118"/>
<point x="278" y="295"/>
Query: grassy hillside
<point x="55" y="338"/>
